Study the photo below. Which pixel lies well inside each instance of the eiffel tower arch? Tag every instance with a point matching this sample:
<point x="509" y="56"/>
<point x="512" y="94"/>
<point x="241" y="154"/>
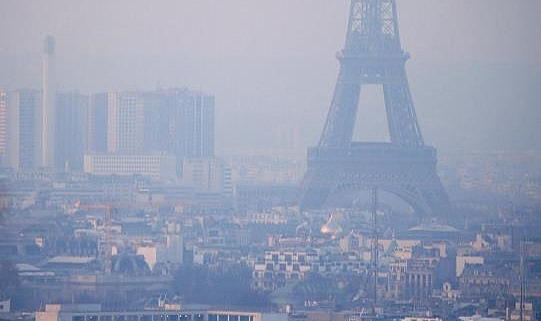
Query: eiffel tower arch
<point x="405" y="166"/>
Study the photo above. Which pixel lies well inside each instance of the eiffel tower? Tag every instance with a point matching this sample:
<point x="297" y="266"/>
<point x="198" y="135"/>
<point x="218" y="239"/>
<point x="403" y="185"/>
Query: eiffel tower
<point x="405" y="166"/>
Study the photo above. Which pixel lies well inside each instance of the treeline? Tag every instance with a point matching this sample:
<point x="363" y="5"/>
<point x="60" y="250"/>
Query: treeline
<point x="229" y="285"/>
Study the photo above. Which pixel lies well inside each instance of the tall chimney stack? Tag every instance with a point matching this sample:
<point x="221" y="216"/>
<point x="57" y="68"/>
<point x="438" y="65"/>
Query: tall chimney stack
<point x="48" y="92"/>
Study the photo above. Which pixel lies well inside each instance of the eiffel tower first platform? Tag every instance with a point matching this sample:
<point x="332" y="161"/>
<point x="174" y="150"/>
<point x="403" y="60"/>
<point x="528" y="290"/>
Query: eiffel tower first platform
<point x="405" y="166"/>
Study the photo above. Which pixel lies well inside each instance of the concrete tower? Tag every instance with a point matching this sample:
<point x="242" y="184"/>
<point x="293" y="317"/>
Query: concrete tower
<point x="48" y="91"/>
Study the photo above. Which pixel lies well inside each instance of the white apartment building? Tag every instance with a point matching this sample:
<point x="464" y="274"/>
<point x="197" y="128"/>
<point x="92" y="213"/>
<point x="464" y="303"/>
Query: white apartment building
<point x="159" y="167"/>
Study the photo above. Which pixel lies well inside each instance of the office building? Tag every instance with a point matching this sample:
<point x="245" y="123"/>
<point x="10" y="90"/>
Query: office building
<point x="176" y="122"/>
<point x="158" y="122"/>
<point x="180" y="122"/>
<point x="21" y="133"/>
<point x="194" y="124"/>
<point x="97" y="130"/>
<point x="125" y="120"/>
<point x="70" y="131"/>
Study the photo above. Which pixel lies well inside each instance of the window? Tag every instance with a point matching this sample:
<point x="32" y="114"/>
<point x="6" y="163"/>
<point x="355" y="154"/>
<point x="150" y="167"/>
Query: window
<point x="222" y="317"/>
<point x="146" y="317"/>
<point x="185" y="317"/>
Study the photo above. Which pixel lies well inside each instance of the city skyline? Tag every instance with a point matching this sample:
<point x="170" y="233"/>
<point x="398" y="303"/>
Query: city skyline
<point x="178" y="123"/>
<point x="461" y="52"/>
<point x="154" y="162"/>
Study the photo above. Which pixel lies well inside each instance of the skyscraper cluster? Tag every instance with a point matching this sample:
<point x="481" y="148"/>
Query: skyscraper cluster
<point x="62" y="132"/>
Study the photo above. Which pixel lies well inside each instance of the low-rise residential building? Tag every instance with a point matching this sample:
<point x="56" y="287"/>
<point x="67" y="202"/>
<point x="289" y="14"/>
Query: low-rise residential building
<point x="280" y="266"/>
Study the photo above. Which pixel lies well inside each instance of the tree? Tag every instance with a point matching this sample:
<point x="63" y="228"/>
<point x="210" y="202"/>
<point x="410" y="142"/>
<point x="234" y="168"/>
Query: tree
<point x="9" y="279"/>
<point x="230" y="285"/>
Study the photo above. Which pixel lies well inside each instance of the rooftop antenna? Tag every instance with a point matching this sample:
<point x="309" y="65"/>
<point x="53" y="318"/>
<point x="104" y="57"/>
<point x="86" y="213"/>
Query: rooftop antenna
<point x="522" y="278"/>
<point x="375" y="243"/>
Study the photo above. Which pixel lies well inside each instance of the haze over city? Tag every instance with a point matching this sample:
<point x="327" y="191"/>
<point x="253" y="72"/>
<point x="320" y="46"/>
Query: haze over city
<point x="474" y="73"/>
<point x="284" y="160"/>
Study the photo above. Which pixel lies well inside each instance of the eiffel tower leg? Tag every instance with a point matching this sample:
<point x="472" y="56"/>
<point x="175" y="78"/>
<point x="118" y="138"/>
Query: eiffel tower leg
<point x="403" y="126"/>
<point x="316" y="187"/>
<point x="340" y="122"/>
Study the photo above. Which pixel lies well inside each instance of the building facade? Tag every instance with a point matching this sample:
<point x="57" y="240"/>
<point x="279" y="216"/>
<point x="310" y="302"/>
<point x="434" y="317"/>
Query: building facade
<point x="199" y="125"/>
<point x="159" y="167"/>
<point x="207" y="174"/>
<point x="278" y="267"/>
<point x="70" y="143"/>
<point x="125" y="119"/>
<point x="97" y="129"/>
<point x="21" y="133"/>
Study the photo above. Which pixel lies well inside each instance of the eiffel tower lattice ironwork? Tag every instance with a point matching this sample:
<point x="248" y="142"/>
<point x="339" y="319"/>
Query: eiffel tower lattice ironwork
<point x="405" y="166"/>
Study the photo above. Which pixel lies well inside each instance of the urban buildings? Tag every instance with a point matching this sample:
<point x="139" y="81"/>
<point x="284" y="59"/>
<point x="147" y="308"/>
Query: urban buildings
<point x="94" y="312"/>
<point x="108" y="127"/>
<point x="178" y="123"/>
<point x="48" y="131"/>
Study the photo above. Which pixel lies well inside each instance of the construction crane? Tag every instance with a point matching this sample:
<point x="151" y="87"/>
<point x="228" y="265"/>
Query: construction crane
<point x="106" y="250"/>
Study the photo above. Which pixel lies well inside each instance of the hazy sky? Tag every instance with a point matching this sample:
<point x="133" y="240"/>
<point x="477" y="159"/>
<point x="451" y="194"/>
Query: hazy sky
<point x="272" y="62"/>
<point x="433" y="30"/>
